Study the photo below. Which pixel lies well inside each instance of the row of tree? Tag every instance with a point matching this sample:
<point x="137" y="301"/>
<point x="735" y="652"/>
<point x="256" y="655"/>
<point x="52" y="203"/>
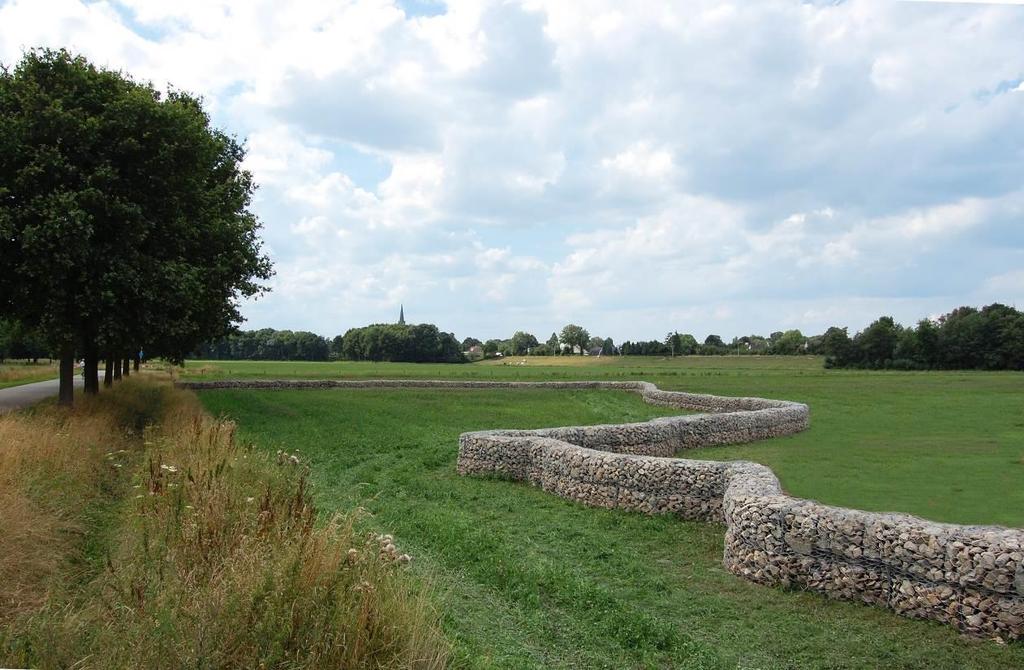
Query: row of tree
<point x="268" y="344"/>
<point x="966" y="338"/>
<point x="19" y="342"/>
<point x="124" y="220"/>
<point x="575" y="339"/>
<point x="990" y="338"/>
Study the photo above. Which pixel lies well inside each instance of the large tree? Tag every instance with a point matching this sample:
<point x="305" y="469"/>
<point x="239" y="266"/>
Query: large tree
<point x="876" y="344"/>
<point x="553" y="344"/>
<point x="124" y="216"/>
<point x="522" y="342"/>
<point x="574" y="336"/>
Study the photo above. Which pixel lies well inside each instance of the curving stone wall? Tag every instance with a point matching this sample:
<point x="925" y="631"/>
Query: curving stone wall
<point x="971" y="577"/>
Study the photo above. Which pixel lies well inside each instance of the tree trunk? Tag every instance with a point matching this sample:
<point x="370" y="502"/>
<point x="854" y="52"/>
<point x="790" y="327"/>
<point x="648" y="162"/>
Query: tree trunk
<point x="126" y="368"/>
<point x="108" y="371"/>
<point x="116" y="362"/>
<point x="67" y="376"/>
<point x="92" y="381"/>
<point x="135" y="359"/>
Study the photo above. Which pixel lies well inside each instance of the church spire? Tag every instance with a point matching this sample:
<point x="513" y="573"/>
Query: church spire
<point x="401" y="315"/>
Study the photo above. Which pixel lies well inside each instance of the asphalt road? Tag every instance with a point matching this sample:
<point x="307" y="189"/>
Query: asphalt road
<point x="17" y="397"/>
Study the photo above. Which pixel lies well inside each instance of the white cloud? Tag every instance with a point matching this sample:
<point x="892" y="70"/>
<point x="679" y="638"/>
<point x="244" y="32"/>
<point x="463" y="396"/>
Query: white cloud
<point x="636" y="168"/>
<point x="279" y="156"/>
<point x="1006" y="287"/>
<point x="640" y="161"/>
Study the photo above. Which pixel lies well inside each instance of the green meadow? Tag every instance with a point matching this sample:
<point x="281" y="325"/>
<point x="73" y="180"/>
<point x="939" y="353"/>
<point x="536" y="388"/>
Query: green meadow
<point x="527" y="580"/>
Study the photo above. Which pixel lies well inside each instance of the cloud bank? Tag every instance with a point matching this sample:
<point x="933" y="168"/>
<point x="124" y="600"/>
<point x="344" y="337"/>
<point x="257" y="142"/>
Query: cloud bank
<point x="700" y="166"/>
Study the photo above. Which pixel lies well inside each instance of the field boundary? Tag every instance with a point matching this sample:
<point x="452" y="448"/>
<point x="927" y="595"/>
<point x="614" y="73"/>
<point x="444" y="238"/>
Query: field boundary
<point x="971" y="577"/>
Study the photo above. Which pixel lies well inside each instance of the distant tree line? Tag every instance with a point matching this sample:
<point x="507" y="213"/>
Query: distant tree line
<point x="420" y="343"/>
<point x="268" y="344"/>
<point x="990" y="338"/>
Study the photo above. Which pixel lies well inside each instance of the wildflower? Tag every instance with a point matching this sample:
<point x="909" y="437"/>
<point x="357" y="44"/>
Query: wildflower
<point x="169" y="468"/>
<point x="249" y="499"/>
<point x="293" y="459"/>
<point x="352" y="556"/>
<point x="405" y="558"/>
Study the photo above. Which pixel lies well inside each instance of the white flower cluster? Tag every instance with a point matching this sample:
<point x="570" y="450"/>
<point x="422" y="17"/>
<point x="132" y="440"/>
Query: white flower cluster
<point x="284" y="458"/>
<point x="388" y="550"/>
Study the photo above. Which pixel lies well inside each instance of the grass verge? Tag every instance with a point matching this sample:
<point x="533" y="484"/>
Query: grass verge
<point x="138" y="532"/>
<point x="16" y="374"/>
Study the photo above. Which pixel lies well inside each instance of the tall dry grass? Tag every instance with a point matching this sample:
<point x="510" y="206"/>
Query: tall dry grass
<point x="54" y="475"/>
<point x="16" y="372"/>
<point x="215" y="557"/>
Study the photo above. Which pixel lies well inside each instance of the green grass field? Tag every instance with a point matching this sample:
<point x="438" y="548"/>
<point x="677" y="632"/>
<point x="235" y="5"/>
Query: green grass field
<point x="530" y="580"/>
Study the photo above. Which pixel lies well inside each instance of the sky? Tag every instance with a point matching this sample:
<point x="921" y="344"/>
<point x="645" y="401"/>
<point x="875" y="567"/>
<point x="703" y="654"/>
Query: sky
<point x="635" y="168"/>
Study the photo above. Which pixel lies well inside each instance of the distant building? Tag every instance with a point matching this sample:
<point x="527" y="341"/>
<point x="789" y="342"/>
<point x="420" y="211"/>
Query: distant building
<point x="474" y="353"/>
<point x="401" y="315"/>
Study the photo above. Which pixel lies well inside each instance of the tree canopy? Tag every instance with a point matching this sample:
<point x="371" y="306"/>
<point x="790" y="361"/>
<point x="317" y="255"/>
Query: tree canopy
<point x="574" y="336"/>
<point x="124" y="218"/>
<point x="991" y="338"/>
<point x="268" y="344"/>
<point x="522" y="343"/>
<point x="421" y="343"/>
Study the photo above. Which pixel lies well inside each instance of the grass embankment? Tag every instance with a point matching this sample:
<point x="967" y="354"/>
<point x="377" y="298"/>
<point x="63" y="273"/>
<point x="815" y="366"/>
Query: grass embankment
<point x="137" y="532"/>
<point x="18" y="373"/>
<point x="533" y="581"/>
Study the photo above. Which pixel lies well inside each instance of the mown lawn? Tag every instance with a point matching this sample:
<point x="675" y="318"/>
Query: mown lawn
<point x="530" y="580"/>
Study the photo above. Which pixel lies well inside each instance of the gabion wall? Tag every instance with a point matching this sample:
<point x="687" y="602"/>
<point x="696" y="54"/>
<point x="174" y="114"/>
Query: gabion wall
<point x="971" y="577"/>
